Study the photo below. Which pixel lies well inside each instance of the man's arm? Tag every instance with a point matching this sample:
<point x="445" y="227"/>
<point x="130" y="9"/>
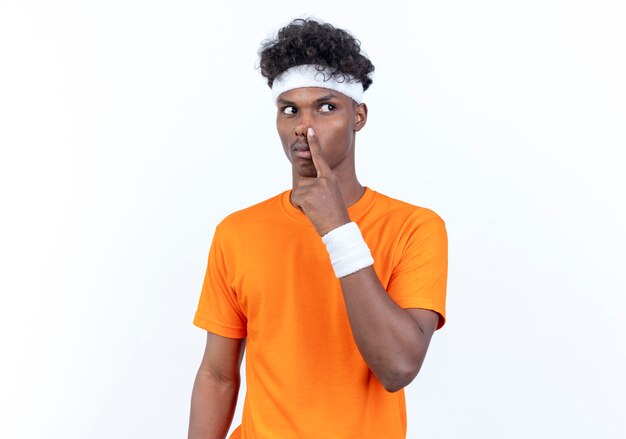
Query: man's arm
<point x="216" y="387"/>
<point x="393" y="341"/>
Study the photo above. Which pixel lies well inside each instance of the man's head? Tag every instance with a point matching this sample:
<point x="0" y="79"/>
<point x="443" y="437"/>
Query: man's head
<point x="318" y="75"/>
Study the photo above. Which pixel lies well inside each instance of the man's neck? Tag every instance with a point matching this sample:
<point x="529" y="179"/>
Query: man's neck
<point x="351" y="189"/>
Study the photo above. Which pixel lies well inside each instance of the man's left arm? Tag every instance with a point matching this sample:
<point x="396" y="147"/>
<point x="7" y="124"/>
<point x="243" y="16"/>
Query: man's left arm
<point x="393" y="341"/>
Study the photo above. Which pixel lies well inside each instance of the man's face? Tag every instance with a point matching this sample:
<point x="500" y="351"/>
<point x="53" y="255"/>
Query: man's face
<point x="335" y="118"/>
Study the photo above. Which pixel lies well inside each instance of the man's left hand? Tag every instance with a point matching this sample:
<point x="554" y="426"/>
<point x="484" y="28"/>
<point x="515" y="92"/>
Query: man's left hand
<point x="320" y="198"/>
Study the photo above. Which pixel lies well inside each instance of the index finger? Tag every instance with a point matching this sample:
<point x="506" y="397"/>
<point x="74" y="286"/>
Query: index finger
<point x="317" y="155"/>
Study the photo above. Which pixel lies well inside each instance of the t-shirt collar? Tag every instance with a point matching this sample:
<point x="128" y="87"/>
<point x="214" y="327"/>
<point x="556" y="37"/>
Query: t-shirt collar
<point x="356" y="211"/>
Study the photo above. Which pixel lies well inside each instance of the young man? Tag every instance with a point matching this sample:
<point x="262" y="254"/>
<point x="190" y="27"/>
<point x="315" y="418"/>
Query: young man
<point x="335" y="289"/>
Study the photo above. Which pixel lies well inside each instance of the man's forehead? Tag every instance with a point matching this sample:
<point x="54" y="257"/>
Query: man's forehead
<point x="310" y="94"/>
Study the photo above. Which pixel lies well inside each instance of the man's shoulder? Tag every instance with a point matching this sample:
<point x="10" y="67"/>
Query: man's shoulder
<point x="254" y="215"/>
<point x="393" y="207"/>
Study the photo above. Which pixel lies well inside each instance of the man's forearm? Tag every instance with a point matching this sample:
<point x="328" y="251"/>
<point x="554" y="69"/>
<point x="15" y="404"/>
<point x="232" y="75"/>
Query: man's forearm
<point x="390" y="341"/>
<point x="213" y="403"/>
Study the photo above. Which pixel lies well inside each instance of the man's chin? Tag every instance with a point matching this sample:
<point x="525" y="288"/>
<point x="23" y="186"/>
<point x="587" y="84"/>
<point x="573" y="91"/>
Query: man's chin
<point x="307" y="170"/>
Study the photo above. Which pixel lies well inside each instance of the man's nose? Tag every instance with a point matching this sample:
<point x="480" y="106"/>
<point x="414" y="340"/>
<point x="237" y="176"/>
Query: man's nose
<point x="302" y="125"/>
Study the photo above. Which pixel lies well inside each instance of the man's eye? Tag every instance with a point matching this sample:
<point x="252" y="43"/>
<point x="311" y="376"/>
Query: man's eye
<point x="289" y="110"/>
<point x="325" y="108"/>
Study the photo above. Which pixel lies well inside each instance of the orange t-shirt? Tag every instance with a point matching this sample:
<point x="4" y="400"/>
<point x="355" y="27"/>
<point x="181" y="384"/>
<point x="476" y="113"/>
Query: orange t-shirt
<point x="269" y="279"/>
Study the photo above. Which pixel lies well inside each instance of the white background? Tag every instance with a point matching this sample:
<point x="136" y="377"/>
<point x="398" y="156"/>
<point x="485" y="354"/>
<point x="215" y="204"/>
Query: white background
<point x="129" y="129"/>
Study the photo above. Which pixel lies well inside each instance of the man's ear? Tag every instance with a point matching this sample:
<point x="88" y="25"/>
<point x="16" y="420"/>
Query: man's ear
<point x="360" y="116"/>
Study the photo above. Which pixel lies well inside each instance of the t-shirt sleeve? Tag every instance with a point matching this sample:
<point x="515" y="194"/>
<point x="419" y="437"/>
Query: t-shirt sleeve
<point x="218" y="308"/>
<point x="420" y="277"/>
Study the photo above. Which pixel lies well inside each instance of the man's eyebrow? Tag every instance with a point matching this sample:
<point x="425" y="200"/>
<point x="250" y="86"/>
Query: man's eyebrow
<point x="326" y="97"/>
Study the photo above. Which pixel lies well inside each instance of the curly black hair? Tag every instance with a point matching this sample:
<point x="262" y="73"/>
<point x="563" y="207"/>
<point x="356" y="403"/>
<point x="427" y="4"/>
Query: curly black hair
<point x="306" y="41"/>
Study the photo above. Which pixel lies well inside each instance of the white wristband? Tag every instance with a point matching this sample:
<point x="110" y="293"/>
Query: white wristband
<point x="347" y="249"/>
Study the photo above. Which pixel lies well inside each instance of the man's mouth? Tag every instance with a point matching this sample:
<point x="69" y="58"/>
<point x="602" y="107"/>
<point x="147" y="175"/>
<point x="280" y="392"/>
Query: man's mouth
<point x="301" y="147"/>
<point x="302" y="151"/>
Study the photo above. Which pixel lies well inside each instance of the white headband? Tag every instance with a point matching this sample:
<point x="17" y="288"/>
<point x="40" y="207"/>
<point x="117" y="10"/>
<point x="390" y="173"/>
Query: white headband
<point x="308" y="75"/>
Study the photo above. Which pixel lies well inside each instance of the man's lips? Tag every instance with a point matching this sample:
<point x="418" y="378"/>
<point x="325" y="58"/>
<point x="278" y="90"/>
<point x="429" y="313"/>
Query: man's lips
<point x="302" y="150"/>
